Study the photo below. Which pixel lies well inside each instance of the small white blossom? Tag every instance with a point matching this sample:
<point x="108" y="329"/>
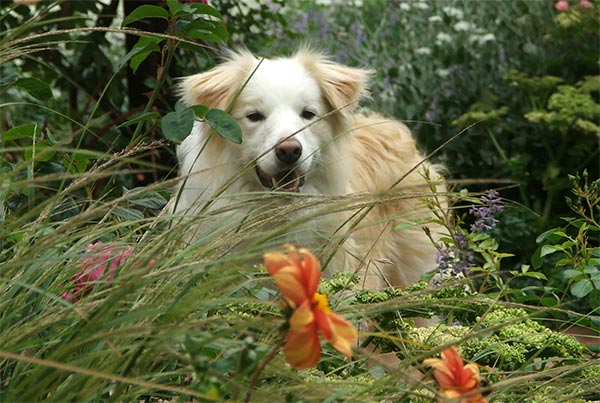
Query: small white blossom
<point x="462" y="26"/>
<point x="453" y="12"/>
<point x="435" y="18"/>
<point x="404" y="6"/>
<point x="421" y="5"/>
<point x="482" y="39"/>
<point x="487" y="38"/>
<point x="443" y="73"/>
<point x="442" y="38"/>
<point x="423" y="51"/>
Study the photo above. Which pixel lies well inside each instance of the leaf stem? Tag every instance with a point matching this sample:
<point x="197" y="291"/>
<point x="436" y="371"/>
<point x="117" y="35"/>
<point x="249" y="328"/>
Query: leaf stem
<point x="259" y="371"/>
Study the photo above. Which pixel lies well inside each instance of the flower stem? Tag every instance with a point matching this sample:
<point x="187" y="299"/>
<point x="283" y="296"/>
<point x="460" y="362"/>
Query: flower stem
<point x="267" y="359"/>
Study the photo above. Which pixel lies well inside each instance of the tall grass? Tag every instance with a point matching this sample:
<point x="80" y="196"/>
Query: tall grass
<point x="196" y="321"/>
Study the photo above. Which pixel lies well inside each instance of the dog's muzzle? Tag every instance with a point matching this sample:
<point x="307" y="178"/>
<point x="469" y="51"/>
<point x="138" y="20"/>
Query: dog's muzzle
<point x="283" y="181"/>
<point x="289" y="178"/>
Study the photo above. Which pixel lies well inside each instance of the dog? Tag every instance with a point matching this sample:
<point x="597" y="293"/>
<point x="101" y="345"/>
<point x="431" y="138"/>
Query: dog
<point x="302" y="136"/>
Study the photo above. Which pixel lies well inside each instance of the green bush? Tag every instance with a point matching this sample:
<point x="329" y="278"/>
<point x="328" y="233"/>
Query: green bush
<point x="158" y="318"/>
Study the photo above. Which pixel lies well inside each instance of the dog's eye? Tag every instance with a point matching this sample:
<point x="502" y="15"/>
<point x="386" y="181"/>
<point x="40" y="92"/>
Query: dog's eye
<point x="255" y="116"/>
<point x="308" y="114"/>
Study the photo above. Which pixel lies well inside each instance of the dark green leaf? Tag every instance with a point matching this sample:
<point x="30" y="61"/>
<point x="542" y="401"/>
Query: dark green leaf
<point x="536" y="275"/>
<point x="594" y="297"/>
<point x="146" y="11"/>
<point x="28" y="130"/>
<point x="200" y="111"/>
<point x="152" y="200"/>
<point x="536" y="259"/>
<point x="41" y="151"/>
<point x="206" y="30"/>
<point x="545" y="235"/>
<point x="203" y="9"/>
<point x="571" y="273"/>
<point x="224" y="125"/>
<point x="36" y="88"/>
<point x="128" y="214"/>
<point x="145" y="45"/>
<point x="8" y="79"/>
<point x="582" y="288"/>
<point x="177" y="125"/>
<point x="548" y="250"/>
<point x="175" y="8"/>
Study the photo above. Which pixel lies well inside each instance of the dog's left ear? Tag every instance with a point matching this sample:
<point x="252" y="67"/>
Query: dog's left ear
<point x="342" y="86"/>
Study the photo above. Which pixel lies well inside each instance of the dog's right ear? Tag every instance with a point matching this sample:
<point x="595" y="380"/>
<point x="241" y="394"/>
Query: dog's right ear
<point x="218" y="87"/>
<point x="342" y="86"/>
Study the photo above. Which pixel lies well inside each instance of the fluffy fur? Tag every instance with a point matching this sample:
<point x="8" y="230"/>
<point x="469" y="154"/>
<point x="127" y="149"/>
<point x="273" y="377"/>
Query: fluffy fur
<point x="307" y="102"/>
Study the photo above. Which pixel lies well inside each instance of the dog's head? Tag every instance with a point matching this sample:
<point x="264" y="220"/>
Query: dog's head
<point x="293" y="112"/>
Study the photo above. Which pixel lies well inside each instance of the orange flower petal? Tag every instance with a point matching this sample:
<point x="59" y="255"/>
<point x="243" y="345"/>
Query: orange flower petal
<point x="471" y="377"/>
<point x="289" y="281"/>
<point x="441" y="372"/>
<point x="302" y="318"/>
<point x="344" y="334"/>
<point x="455" y="378"/>
<point x="303" y="350"/>
<point x="311" y="272"/>
<point x="275" y="261"/>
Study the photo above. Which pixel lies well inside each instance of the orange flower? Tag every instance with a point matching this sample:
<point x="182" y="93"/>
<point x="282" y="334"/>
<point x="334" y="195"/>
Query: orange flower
<point x="297" y="274"/>
<point x="457" y="381"/>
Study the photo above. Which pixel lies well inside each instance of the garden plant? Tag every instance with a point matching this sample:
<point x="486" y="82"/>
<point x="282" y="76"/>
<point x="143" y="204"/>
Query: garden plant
<point x="103" y="299"/>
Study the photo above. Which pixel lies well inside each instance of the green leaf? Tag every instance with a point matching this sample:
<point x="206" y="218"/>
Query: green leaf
<point x="548" y="250"/>
<point x="144" y="46"/>
<point x="28" y="130"/>
<point x="128" y="214"/>
<point x="536" y="259"/>
<point x="36" y="88"/>
<point x="582" y="288"/>
<point x="202" y="9"/>
<point x="206" y="30"/>
<point x="224" y="125"/>
<point x="175" y="8"/>
<point x="177" y="125"/>
<point x="8" y="79"/>
<point x="152" y="200"/>
<point x="571" y="273"/>
<point x="536" y="275"/>
<point x="146" y="11"/>
<point x="594" y="297"/>
<point x="81" y="162"/>
<point x="547" y="234"/>
<point x="42" y="152"/>
<point x="139" y="117"/>
<point x="200" y="111"/>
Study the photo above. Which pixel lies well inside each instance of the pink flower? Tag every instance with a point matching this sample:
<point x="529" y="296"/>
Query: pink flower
<point x="585" y="4"/>
<point x="562" y="5"/>
<point x="99" y="259"/>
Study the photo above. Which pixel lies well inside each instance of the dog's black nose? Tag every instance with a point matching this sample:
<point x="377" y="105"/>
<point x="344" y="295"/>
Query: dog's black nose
<point x="288" y="151"/>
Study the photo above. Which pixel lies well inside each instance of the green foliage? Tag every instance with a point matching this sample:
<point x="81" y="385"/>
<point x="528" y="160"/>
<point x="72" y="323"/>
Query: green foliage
<point x="572" y="249"/>
<point x="502" y="338"/>
<point x="183" y="321"/>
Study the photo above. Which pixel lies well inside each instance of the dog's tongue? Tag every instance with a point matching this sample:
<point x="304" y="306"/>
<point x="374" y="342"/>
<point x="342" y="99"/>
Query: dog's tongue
<point x="285" y="181"/>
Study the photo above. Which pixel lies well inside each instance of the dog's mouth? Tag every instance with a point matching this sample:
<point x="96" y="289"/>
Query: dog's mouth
<point x="283" y="181"/>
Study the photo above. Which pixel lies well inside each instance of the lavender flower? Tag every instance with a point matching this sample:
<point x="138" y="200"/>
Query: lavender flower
<point x="491" y="204"/>
<point x="457" y="259"/>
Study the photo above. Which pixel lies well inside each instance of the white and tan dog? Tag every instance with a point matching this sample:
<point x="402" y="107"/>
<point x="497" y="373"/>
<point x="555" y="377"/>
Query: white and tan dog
<point x="300" y="135"/>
